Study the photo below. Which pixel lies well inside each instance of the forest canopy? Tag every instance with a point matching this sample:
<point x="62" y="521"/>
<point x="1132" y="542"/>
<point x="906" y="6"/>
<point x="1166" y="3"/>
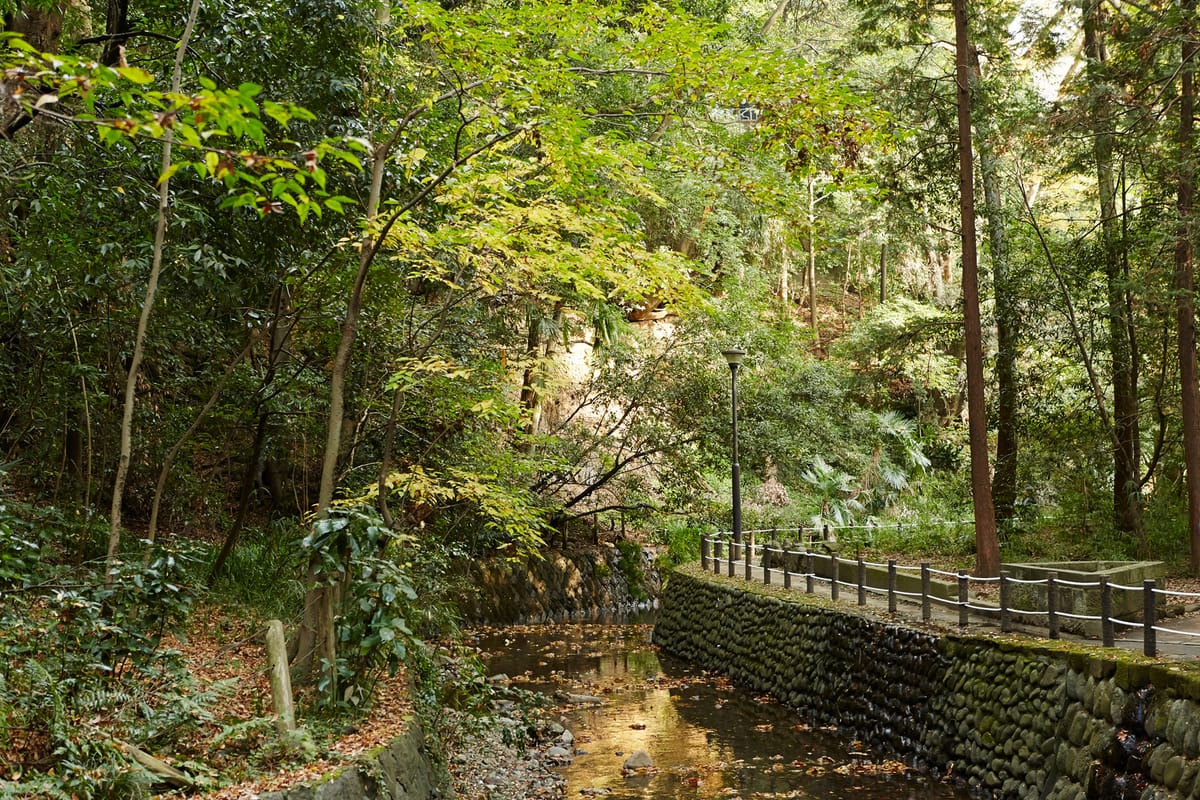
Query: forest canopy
<point x="346" y="292"/>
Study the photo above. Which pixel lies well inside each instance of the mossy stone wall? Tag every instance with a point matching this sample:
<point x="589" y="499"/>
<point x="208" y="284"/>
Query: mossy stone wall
<point x="403" y="769"/>
<point x="1013" y="718"/>
<point x="559" y="586"/>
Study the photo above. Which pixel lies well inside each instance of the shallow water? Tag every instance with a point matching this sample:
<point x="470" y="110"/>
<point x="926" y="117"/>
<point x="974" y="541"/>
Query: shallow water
<point x="708" y="738"/>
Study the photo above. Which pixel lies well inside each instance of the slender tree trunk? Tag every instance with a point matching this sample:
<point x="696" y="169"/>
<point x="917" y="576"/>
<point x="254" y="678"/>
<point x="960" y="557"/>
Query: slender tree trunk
<point x="169" y="461"/>
<point x="812" y="258"/>
<point x="139" y="342"/>
<point x="1004" y="481"/>
<point x="385" y="463"/>
<point x="882" y="273"/>
<point x="247" y="489"/>
<point x="316" y="637"/>
<point x="987" y="545"/>
<point x="1127" y="510"/>
<point x="1185" y="309"/>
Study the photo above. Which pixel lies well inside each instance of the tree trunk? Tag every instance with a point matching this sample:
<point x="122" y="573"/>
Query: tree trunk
<point x="1127" y="510"/>
<point x="882" y="273"/>
<point x="812" y="258"/>
<point x="41" y="25"/>
<point x="169" y="460"/>
<point x="247" y="489"/>
<point x="139" y="342"/>
<point x="316" y="637"/>
<point x="116" y="25"/>
<point x="987" y="545"/>
<point x="1185" y="310"/>
<point x="1004" y="481"/>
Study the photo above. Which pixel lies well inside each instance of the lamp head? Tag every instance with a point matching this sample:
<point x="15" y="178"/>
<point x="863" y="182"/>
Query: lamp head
<point x="734" y="356"/>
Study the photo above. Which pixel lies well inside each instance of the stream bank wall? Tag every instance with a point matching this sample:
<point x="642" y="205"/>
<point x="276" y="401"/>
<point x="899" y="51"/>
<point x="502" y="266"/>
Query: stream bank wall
<point x="1013" y="718"/>
<point x="581" y="584"/>
<point x="404" y="769"/>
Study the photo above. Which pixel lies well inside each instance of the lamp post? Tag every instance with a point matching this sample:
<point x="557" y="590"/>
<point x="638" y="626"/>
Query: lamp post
<point x="734" y="356"/>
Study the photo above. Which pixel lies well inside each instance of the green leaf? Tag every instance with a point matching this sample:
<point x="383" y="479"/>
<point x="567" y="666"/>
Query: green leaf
<point x="168" y="172"/>
<point x="136" y="75"/>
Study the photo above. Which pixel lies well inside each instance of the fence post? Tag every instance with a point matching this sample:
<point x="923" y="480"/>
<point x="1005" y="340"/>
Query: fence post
<point x="862" y="581"/>
<point x="1106" y="623"/>
<point x="1149" y="611"/>
<point x="766" y="556"/>
<point x="808" y="570"/>
<point x="963" y="612"/>
<point x="787" y="572"/>
<point x="1052" y="605"/>
<point x="748" y="554"/>
<point x="703" y="552"/>
<point x="926" y="611"/>
<point x="731" y="548"/>
<point x="891" y="585"/>
<point x="833" y="579"/>
<point x="1005" y="606"/>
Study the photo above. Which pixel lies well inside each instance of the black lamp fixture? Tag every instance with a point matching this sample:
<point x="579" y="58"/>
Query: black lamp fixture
<point x="734" y="356"/>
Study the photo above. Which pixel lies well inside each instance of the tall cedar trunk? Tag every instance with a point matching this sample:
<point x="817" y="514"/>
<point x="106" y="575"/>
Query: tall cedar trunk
<point x="1004" y="481"/>
<point x="1127" y="508"/>
<point x="1184" y="279"/>
<point x="987" y="545"/>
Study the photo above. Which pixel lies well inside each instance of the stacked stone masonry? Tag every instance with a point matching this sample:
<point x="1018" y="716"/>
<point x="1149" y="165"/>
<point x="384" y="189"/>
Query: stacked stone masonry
<point x="587" y="584"/>
<point x="1013" y="718"/>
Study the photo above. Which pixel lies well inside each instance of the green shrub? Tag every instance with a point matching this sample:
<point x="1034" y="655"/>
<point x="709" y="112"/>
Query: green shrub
<point x="84" y="653"/>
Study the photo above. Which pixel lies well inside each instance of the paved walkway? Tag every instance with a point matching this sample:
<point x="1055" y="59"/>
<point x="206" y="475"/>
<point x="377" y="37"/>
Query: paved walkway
<point x="1184" y="644"/>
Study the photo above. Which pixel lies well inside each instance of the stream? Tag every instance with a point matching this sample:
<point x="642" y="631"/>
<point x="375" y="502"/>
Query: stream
<point x="707" y="738"/>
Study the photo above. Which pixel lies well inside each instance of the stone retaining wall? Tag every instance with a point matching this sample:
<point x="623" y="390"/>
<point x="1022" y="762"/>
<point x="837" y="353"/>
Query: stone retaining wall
<point x="560" y="586"/>
<point x="401" y="770"/>
<point x="1012" y="717"/>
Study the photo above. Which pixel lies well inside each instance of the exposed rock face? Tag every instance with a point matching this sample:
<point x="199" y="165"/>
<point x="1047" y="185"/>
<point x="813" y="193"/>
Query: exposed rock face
<point x="1011" y="718"/>
<point x="560" y="586"/>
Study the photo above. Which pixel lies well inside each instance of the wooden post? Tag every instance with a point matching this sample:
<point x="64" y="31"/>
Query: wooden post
<point x="1005" y="610"/>
<point x="862" y="581"/>
<point x="1052" y="605"/>
<point x="963" y="612"/>
<point x="926" y="611"/>
<point x="808" y="570"/>
<point x="1106" y="624"/>
<point x="891" y="585"/>
<point x="833" y="580"/>
<point x="748" y="555"/>
<point x="716" y="563"/>
<point x="1149" y="611"/>
<point x="281" y="679"/>
<point x="766" y="555"/>
<point x="787" y="572"/>
<point x="732" y="548"/>
<point x="703" y="551"/>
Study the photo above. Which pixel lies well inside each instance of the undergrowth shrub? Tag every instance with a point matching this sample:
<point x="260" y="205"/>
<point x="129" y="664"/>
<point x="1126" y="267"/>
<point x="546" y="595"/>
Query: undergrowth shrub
<point x="82" y="666"/>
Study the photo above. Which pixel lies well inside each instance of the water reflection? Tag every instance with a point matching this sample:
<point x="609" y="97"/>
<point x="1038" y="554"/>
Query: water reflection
<point x="708" y="739"/>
